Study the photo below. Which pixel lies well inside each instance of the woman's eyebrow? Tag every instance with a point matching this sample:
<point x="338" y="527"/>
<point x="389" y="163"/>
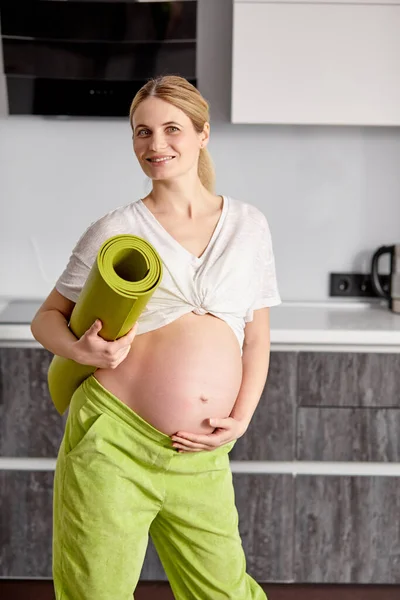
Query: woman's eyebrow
<point x="163" y="125"/>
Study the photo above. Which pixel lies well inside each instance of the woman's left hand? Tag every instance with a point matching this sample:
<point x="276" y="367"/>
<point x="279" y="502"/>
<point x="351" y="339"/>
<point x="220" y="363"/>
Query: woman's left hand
<point x="226" y="430"/>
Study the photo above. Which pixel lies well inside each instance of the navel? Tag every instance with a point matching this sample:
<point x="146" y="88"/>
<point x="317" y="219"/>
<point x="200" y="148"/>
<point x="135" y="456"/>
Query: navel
<point x="203" y="399"/>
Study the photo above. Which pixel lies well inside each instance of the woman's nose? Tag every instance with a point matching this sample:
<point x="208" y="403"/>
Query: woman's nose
<point x="157" y="142"/>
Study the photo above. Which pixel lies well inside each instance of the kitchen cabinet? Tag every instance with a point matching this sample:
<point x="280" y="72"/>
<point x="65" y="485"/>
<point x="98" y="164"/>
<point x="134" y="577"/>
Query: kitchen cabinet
<point x="30" y="426"/>
<point x="348" y="434"/>
<point x="26" y="526"/>
<point x="271" y="434"/>
<point x="25" y="523"/>
<point x="308" y="528"/>
<point x="319" y="62"/>
<point x="347" y="530"/>
<point x="342" y="528"/>
<point x="265" y="505"/>
<point x="326" y="406"/>
<point x="348" y="406"/>
<point x="349" y="379"/>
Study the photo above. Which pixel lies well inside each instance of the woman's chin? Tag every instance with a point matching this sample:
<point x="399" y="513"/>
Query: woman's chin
<point x="159" y="177"/>
<point x="162" y="176"/>
<point x="166" y="173"/>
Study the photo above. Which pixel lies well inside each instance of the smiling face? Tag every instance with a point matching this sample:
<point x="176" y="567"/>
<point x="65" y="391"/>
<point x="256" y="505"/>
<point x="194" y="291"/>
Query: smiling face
<point x="165" y="141"/>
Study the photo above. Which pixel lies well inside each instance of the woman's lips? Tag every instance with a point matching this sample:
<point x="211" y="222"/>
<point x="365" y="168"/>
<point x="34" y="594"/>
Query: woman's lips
<point x="159" y="160"/>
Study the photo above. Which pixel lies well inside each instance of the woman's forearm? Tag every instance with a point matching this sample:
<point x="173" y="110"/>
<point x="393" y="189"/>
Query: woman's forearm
<point x="50" y="329"/>
<point x="255" y="361"/>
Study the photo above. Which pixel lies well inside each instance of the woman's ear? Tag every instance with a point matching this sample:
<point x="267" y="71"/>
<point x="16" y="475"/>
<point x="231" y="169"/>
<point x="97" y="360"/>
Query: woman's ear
<point x="205" y="135"/>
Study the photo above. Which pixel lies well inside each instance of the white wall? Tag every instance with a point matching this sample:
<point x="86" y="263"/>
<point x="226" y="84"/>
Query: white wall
<point x="331" y="194"/>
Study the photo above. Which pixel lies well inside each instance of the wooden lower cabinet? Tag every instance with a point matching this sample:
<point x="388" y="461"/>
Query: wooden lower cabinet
<point x="306" y="529"/>
<point x="271" y="434"/>
<point x="348" y="434"/>
<point x="266" y="523"/>
<point x="352" y="379"/>
<point x="25" y="523"/>
<point x="30" y="426"/>
<point x="347" y="529"/>
<point x="264" y="504"/>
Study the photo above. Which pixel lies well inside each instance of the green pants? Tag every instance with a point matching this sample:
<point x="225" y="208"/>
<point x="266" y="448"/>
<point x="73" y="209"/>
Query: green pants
<point x="117" y="480"/>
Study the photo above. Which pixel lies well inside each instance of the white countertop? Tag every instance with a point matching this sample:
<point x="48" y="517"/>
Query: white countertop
<point x="320" y="325"/>
<point x="333" y="323"/>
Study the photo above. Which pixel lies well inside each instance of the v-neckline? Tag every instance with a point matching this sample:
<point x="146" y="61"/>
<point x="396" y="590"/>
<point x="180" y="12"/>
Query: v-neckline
<point x="194" y="258"/>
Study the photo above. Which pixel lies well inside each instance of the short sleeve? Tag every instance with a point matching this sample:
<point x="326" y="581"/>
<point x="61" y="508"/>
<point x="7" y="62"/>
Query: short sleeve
<point x="73" y="278"/>
<point x="267" y="293"/>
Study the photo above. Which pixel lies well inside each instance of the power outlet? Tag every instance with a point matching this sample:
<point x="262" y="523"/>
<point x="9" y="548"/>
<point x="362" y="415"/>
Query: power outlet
<point x="356" y="285"/>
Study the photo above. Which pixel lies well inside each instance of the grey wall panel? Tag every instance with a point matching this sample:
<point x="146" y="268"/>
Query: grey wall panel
<point x="347" y="529"/>
<point x="359" y="434"/>
<point x="30" y="426"/>
<point x="271" y="433"/>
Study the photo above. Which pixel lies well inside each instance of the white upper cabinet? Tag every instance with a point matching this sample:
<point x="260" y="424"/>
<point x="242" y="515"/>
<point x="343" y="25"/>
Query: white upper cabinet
<point x="333" y="63"/>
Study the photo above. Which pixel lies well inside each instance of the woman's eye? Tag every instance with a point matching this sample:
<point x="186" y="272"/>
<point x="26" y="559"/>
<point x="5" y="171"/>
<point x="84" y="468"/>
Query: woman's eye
<point x="142" y="131"/>
<point x="173" y="128"/>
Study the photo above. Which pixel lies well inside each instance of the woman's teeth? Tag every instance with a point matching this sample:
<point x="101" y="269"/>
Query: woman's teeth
<point x="163" y="159"/>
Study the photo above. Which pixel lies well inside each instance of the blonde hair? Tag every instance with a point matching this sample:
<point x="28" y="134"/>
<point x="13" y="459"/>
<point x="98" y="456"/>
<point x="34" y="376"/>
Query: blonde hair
<point x="182" y="94"/>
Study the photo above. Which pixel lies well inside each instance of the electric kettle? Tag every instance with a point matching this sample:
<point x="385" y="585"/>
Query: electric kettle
<point x="393" y="292"/>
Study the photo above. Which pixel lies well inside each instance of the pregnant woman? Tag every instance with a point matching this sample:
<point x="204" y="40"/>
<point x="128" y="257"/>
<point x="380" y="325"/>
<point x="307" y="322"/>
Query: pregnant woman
<point x="146" y="444"/>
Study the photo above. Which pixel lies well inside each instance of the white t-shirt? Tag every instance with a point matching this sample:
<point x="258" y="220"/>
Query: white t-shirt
<point x="233" y="277"/>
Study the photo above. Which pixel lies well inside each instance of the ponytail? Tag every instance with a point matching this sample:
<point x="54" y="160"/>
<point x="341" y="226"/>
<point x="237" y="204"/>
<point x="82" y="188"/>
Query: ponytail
<point x="206" y="170"/>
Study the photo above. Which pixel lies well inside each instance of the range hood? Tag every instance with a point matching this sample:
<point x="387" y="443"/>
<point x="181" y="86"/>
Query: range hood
<point x="85" y="58"/>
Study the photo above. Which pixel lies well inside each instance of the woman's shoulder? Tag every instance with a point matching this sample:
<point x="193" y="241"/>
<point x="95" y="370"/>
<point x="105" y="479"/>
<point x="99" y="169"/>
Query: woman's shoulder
<point x="247" y="213"/>
<point x="116" y="218"/>
<point x="114" y="222"/>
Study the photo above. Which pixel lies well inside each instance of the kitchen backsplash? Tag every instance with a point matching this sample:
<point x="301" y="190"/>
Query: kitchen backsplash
<point x="331" y="194"/>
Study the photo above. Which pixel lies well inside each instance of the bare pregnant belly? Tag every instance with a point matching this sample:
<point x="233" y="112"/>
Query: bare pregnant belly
<point x="180" y="375"/>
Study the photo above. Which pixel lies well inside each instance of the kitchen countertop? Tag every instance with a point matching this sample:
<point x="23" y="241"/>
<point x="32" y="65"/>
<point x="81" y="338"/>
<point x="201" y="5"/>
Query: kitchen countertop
<point x="323" y="325"/>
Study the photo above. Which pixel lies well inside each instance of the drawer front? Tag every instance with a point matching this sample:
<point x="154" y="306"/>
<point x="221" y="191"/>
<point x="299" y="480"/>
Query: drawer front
<point x="26" y="499"/>
<point x="349" y="379"/>
<point x="348" y="434"/>
<point x="346" y="529"/>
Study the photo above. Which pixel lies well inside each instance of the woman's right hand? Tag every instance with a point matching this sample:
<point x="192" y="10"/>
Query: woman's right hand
<point x="93" y="350"/>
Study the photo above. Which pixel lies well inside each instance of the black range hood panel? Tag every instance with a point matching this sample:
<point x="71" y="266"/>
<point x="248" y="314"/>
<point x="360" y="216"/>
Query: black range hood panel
<point x="72" y="97"/>
<point x="80" y="58"/>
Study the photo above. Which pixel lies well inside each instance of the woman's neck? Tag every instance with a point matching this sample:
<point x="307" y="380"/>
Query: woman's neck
<point x="183" y="200"/>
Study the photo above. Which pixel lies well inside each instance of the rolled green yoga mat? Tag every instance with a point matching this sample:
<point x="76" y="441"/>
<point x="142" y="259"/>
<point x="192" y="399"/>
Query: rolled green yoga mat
<point x="122" y="280"/>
